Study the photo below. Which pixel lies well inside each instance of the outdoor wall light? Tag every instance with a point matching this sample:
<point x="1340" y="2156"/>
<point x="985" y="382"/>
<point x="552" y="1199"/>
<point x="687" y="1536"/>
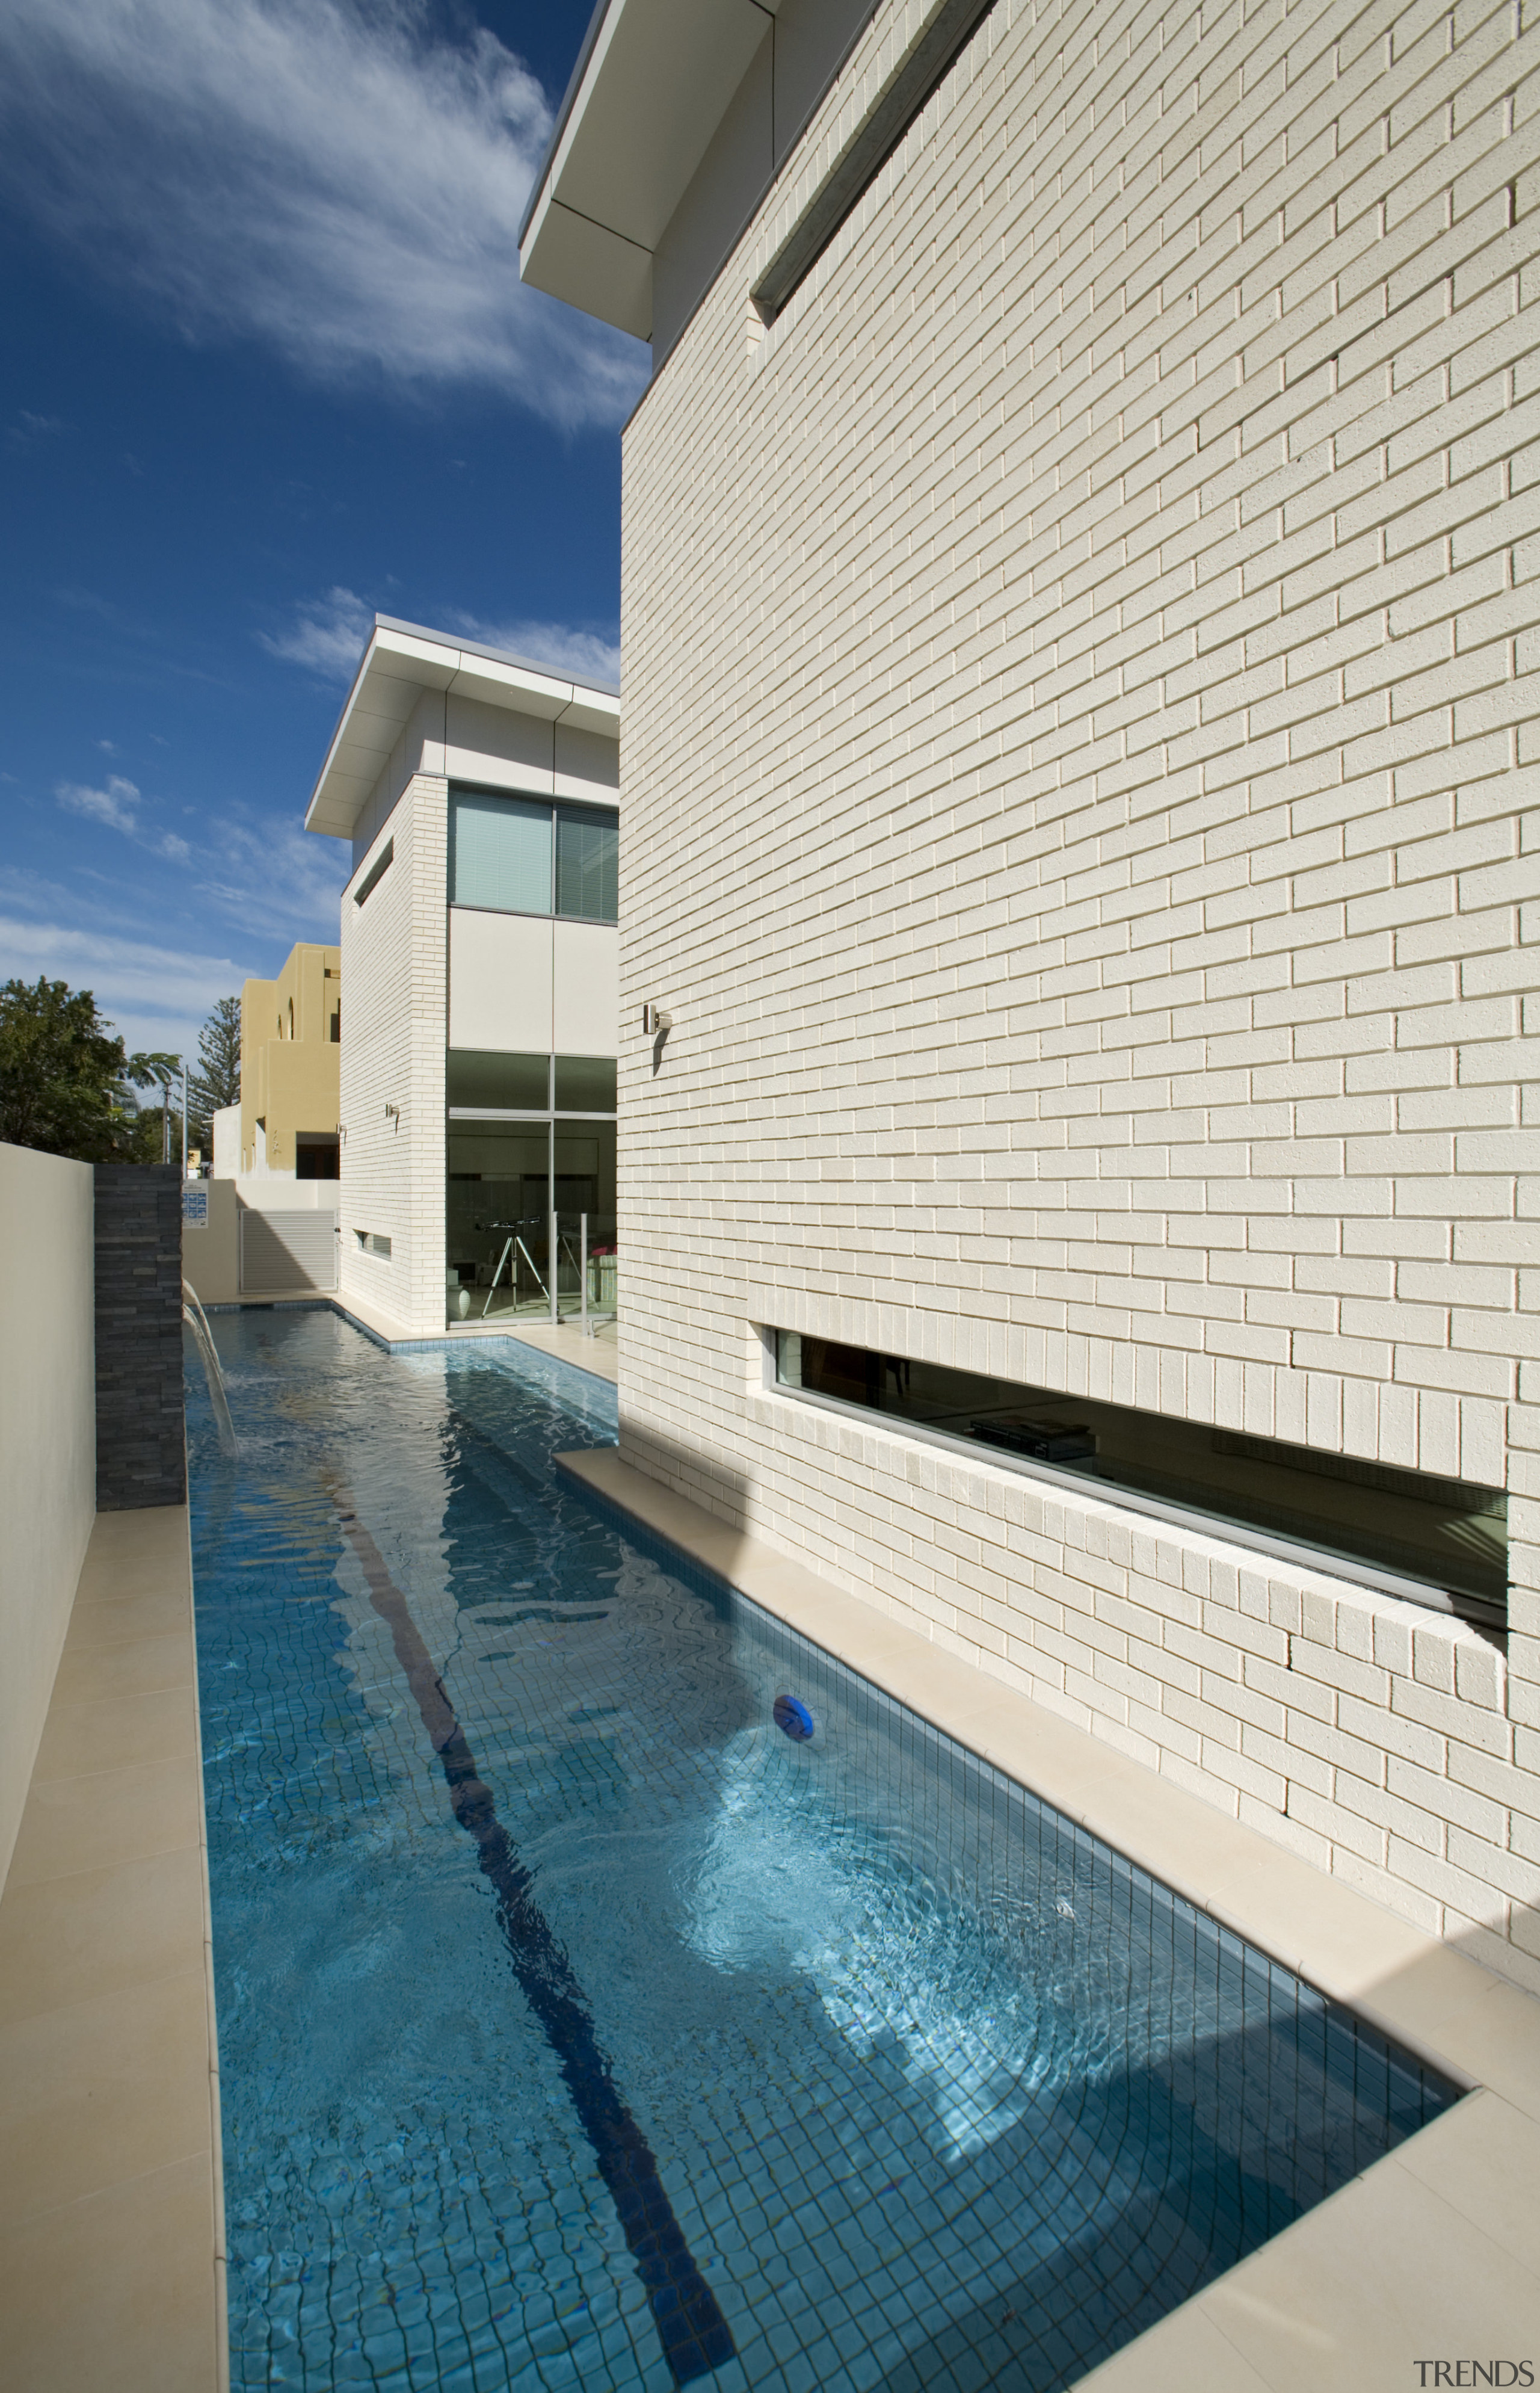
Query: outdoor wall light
<point x="654" y="1019"/>
<point x="393" y="1113"/>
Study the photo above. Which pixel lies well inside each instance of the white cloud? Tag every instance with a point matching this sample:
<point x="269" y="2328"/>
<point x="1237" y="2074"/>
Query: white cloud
<point x="156" y="997"/>
<point x="326" y="634"/>
<point x="275" y="880"/>
<point x="116" y="805"/>
<point x="585" y="655"/>
<point x="326" y="176"/>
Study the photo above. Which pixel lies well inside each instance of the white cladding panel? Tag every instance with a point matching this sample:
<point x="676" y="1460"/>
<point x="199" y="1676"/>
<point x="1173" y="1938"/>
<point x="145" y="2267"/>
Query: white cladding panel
<point x="496" y="749"/>
<point x="587" y="989"/>
<point x="500" y="981"/>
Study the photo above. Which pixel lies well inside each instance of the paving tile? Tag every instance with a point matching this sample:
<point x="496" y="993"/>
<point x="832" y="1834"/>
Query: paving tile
<point x="115" y="2293"/>
<point x="1483" y="2159"/>
<point x="65" y="1939"/>
<point x="1382" y="2275"/>
<point x="1186" y="2353"/>
<point x="157" y="1612"/>
<point x="117" y="1733"/>
<point x="99" y="2091"/>
<point x="134" y="1665"/>
<point x="103" y="1817"/>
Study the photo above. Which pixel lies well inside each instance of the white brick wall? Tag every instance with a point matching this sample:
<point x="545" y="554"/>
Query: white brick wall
<point x="1080" y="713"/>
<point x="395" y="976"/>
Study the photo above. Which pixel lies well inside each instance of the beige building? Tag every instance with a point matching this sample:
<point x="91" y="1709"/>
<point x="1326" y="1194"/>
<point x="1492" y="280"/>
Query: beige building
<point x="1080" y="603"/>
<point x="290" y="1034"/>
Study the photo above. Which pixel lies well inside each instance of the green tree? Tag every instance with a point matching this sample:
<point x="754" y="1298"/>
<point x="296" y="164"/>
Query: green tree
<point x="65" y="1082"/>
<point x="217" y="1081"/>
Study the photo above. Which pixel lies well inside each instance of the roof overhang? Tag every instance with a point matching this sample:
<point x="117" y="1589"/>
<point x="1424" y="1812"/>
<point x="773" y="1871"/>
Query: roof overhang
<point x="652" y="83"/>
<point x="402" y="660"/>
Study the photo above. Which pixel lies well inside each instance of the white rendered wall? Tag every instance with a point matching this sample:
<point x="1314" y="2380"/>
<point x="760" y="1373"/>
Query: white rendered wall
<point x="227" y="1142"/>
<point x="394" y="961"/>
<point x="585" y="1003"/>
<point x="500" y="981"/>
<point x="48" y="1441"/>
<point x="1079" y="759"/>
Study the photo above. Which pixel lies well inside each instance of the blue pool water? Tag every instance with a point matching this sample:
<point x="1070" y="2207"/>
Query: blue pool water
<point x="582" y="2027"/>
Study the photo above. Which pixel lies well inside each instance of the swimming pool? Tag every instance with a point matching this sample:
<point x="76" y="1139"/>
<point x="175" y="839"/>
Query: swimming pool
<point x="580" y="2026"/>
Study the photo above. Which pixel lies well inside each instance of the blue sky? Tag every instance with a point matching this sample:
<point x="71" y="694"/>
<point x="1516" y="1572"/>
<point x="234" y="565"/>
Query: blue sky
<point x="268" y="369"/>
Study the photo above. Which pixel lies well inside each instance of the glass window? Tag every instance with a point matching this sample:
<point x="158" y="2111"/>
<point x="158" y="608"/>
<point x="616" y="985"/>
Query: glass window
<point x="1419" y="1536"/>
<point x="588" y="866"/>
<point x="500" y="853"/>
<point x="585" y="1084"/>
<point x="486" y="1082"/>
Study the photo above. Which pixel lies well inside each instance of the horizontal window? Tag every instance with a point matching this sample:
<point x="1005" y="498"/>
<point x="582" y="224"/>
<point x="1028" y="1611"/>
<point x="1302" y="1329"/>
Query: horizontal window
<point x="944" y="30"/>
<point x="374" y="1242"/>
<point x="482" y="1080"/>
<point x="528" y="856"/>
<point x="1439" y="1541"/>
<point x="478" y="1081"/>
<point x="585" y="1084"/>
<point x="376" y="873"/>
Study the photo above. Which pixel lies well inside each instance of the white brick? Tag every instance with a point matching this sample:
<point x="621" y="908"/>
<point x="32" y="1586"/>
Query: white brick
<point x="1075" y="774"/>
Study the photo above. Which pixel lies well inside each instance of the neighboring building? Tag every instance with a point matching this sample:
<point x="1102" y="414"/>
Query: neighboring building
<point x="1080" y="570"/>
<point x="227" y="1142"/>
<point x="291" y="1032"/>
<point x="480" y="948"/>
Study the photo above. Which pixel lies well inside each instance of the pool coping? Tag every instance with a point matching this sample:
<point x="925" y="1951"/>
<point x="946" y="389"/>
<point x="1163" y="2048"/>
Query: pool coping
<point x="112" y="2246"/>
<point x="1444" y="2270"/>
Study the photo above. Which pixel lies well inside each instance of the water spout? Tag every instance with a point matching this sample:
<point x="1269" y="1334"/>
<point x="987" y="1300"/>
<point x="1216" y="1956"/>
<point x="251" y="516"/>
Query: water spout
<point x="193" y="1314"/>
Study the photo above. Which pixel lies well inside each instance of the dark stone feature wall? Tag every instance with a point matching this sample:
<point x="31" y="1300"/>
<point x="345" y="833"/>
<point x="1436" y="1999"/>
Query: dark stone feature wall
<point x="141" y="1446"/>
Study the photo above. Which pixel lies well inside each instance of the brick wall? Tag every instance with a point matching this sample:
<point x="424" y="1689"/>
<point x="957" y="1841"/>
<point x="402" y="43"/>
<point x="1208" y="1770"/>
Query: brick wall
<point x="1079" y="753"/>
<point x="395" y="975"/>
<point x="141" y="1442"/>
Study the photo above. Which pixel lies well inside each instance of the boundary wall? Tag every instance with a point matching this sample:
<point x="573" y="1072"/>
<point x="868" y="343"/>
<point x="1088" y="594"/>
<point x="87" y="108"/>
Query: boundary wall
<point x="1080" y="777"/>
<point x="48" y="1443"/>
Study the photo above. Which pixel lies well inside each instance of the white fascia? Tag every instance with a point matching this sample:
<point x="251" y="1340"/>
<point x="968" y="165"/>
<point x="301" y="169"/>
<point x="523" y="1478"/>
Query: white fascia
<point x="399" y="662"/>
<point x="655" y="82"/>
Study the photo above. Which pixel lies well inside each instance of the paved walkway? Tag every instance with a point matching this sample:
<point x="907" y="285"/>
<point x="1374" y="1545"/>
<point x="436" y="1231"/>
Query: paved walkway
<point x="109" y="2211"/>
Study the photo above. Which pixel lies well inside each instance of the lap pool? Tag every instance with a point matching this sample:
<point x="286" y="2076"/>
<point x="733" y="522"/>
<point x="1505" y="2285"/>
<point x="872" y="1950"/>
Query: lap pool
<point x="585" y="2023"/>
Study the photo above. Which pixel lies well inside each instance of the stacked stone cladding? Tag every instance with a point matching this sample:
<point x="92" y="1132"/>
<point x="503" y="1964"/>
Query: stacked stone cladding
<point x="1079" y="759"/>
<point x="141" y="1438"/>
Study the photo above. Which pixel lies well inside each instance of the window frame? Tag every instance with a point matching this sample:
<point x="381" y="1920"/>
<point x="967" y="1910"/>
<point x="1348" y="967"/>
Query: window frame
<point x="1274" y="1544"/>
<point x="593" y="809"/>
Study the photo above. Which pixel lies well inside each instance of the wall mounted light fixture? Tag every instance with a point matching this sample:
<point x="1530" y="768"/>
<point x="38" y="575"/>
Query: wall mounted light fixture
<point x="654" y="1019"/>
